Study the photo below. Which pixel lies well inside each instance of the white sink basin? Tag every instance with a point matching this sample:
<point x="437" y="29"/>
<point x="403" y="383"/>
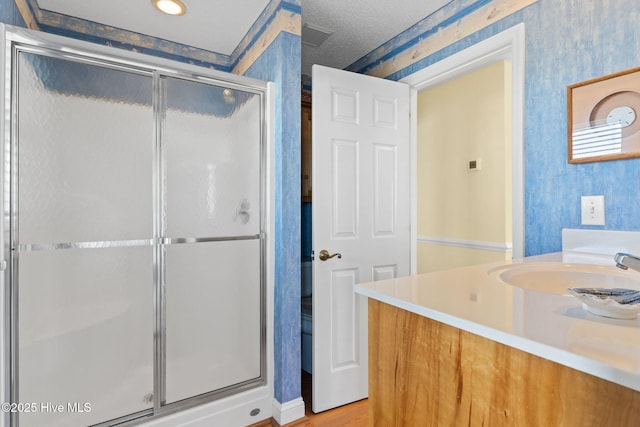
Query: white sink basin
<point x="557" y="277"/>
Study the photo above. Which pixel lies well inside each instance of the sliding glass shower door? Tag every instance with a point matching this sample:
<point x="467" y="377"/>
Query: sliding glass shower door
<point x="82" y="245"/>
<point x="134" y="206"/>
<point x="211" y="232"/>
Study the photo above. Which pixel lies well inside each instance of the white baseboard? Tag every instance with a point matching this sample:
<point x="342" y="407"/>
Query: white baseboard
<point x="287" y="412"/>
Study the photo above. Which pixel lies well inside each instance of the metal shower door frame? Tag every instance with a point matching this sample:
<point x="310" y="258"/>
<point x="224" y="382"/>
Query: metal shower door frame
<point x="15" y="40"/>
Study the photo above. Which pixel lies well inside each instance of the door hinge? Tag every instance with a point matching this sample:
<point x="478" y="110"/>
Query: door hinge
<point x="313" y="255"/>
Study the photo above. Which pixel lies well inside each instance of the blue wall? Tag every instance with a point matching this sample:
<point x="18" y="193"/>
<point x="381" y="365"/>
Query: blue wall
<point x="566" y="42"/>
<point x="9" y="14"/>
<point x="281" y="64"/>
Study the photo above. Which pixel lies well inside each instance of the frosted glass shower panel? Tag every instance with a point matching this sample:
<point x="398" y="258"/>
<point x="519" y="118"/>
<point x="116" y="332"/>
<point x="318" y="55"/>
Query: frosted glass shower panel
<point x="213" y="316"/>
<point x="212" y="144"/>
<point x="85" y="333"/>
<point x="85" y="140"/>
<point x="134" y="207"/>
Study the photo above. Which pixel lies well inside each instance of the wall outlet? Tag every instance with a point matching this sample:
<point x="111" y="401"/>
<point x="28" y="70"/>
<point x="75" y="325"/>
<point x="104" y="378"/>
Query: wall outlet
<point x="592" y="210"/>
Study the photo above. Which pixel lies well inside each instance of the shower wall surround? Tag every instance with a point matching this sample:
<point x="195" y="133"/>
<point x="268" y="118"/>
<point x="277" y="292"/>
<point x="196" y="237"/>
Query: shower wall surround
<point x="136" y="219"/>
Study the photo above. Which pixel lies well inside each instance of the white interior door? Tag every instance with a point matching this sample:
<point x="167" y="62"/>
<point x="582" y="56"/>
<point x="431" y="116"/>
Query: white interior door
<point x="361" y="214"/>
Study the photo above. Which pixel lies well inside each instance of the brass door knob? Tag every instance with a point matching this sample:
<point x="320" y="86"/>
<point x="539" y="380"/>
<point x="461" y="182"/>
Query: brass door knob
<point x="324" y="255"/>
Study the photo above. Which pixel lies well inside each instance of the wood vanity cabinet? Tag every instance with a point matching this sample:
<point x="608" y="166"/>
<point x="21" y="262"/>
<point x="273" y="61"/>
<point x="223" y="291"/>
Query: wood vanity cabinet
<point x="425" y="373"/>
<point x="305" y="160"/>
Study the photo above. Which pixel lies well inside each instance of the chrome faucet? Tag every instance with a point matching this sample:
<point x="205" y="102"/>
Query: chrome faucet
<point x="626" y="261"/>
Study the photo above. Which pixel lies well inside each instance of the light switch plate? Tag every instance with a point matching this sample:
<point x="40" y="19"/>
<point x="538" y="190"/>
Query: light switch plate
<point x="592" y="208"/>
<point x="474" y="165"/>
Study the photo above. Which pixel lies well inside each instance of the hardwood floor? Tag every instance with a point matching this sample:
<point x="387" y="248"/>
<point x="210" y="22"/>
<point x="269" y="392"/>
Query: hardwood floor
<point x="352" y="415"/>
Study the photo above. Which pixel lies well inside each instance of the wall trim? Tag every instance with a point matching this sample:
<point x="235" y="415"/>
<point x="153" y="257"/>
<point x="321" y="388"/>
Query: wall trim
<point x="439" y="30"/>
<point x="287" y="412"/>
<point x="279" y="16"/>
<point x="467" y="244"/>
<point x="283" y="20"/>
<point x="27" y="14"/>
<point x="70" y="26"/>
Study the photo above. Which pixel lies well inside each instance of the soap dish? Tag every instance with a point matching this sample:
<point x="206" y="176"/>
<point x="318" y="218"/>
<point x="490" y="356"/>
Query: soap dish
<point x="617" y="303"/>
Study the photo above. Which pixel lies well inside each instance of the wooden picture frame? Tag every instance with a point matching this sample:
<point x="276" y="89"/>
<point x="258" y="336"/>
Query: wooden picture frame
<point x="604" y="118"/>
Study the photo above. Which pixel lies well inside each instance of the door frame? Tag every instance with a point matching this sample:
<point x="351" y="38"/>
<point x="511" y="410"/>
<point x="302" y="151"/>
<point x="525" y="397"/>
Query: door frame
<point x="509" y="45"/>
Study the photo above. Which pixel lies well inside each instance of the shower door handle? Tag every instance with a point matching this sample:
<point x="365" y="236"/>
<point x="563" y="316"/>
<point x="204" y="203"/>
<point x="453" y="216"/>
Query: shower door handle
<point x="324" y="255"/>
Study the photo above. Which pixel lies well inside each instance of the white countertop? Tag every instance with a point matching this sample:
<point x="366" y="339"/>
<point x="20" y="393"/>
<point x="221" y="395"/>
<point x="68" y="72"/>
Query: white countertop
<point x="554" y="326"/>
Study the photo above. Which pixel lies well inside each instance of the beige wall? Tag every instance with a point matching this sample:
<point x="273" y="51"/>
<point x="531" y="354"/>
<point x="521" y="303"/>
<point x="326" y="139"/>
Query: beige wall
<point x="468" y="118"/>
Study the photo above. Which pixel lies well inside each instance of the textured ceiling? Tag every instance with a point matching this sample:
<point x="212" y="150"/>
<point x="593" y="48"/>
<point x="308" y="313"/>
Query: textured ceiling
<point x="360" y="26"/>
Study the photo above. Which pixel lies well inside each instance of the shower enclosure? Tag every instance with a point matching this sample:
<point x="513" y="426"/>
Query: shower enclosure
<point x="134" y="236"/>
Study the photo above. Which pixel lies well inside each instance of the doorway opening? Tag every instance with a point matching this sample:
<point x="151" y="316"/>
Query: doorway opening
<point x="507" y="46"/>
<point x="464" y="170"/>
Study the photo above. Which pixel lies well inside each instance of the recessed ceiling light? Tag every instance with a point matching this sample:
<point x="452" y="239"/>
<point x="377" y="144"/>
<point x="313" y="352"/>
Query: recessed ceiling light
<point x="170" y="7"/>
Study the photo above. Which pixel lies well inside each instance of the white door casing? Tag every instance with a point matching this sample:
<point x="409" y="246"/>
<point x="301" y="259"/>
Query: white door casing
<point x="362" y="211"/>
